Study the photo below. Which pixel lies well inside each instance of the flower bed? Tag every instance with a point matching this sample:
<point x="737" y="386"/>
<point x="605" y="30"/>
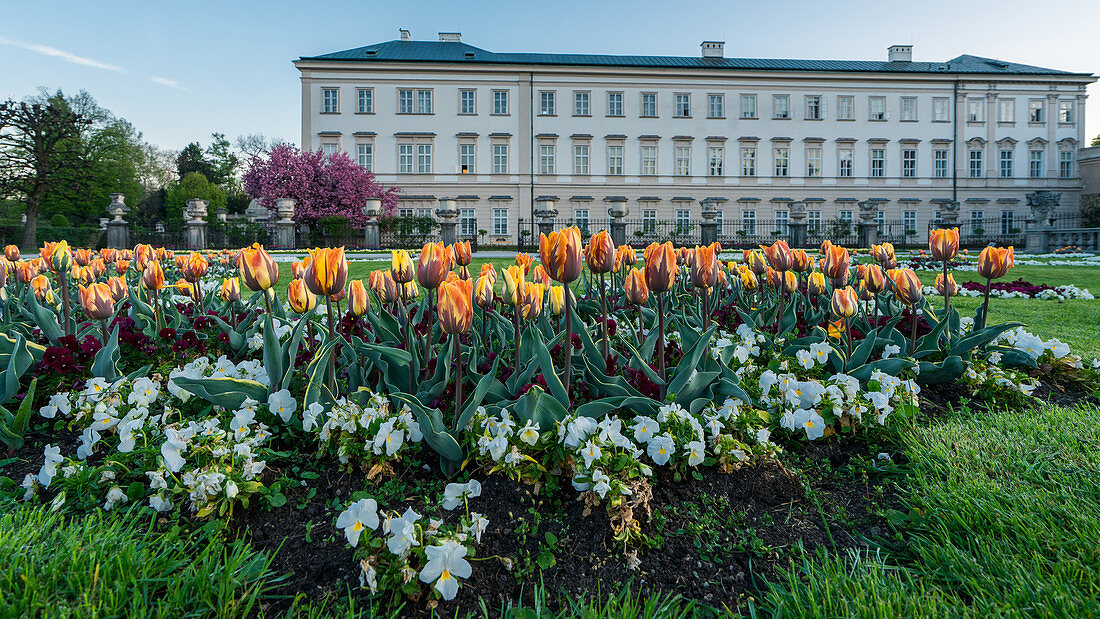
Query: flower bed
<point x="610" y="390"/>
<point x="1019" y="289"/>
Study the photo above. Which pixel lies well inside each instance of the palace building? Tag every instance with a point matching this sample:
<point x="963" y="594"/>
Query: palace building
<point x="498" y="132"/>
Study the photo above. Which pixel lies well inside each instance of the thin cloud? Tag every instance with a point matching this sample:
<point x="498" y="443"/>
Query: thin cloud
<point x="46" y="50"/>
<point x="164" y="81"/>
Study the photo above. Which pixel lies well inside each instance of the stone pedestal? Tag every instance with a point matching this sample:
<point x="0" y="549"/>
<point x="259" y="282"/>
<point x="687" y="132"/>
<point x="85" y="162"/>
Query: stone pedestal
<point x="797" y="224"/>
<point x="118" y="229"/>
<point x="194" y="224"/>
<point x="545" y="213"/>
<point x="1037" y="241"/>
<point x="868" y="227"/>
<point x="372" y="236"/>
<point x="709" y="228"/>
<point x="284" y="225"/>
<point x="618" y="212"/>
<point x="447" y="213"/>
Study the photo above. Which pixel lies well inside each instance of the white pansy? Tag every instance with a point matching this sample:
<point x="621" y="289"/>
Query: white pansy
<point x="59" y="403"/>
<point x="529" y="433"/>
<point x="114" y="496"/>
<point x="890" y="350"/>
<point x="456" y="494"/>
<point x="478" y="524"/>
<point x="805" y="359"/>
<point x="445" y="565"/>
<point x="644" y="429"/>
<point x="661" y="448"/>
<point x="363" y="514"/>
<point x="172" y="449"/>
<point x="311" y="415"/>
<point x="159" y="503"/>
<point x="696" y="453"/>
<point x="283" y="404"/>
<point x="48" y="471"/>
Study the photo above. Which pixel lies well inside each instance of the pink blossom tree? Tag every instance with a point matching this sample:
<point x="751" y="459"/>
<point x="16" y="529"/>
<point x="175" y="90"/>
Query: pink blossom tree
<point x="322" y="185"/>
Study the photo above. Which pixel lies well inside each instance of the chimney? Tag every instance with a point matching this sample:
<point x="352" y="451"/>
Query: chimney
<point x="405" y="36"/>
<point x="450" y="37"/>
<point x="900" y="53"/>
<point x="713" y="49"/>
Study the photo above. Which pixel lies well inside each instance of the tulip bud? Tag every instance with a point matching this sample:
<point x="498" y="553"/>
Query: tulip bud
<point x="461" y="252"/>
<point x="41" y="286"/>
<point x="12" y="253"/>
<point x="97" y="301"/>
<point x="944" y="243"/>
<point x="950" y="290"/>
<point x="557" y="300"/>
<point x="409" y="290"/>
<point x="61" y="258"/>
<point x="560" y="252"/>
<point x="327" y="271"/>
<point x="660" y="267"/>
<point x="258" y="269"/>
<point x="119" y="289"/>
<point x="358" y="301"/>
<point x="152" y="278"/>
<point x="433" y="265"/>
<point x="143" y="255"/>
<point x="82" y="256"/>
<point x="454" y="306"/>
<point x="401" y="267"/>
<point x="600" y="253"/>
<point x="907" y="286"/>
<point x="994" y="262"/>
<point x="834" y="263"/>
<point x="532" y="300"/>
<point x="485" y="291"/>
<point x="231" y="289"/>
<point x="844" y="303"/>
<point x="754" y="261"/>
<point x="815" y="284"/>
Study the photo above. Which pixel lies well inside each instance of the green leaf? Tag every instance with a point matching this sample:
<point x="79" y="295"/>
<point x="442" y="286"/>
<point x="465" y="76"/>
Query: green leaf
<point x="549" y="374"/>
<point x="690" y="361"/>
<point x="316" y="375"/>
<point x="224" y="391"/>
<point x="105" y="364"/>
<point x="981" y="338"/>
<point x="892" y="366"/>
<point x="478" y="396"/>
<point x="945" y="371"/>
<point x="538" y="406"/>
<point x="637" y="405"/>
<point x="273" y="353"/>
<point x="18" y="362"/>
<point x="45" y="319"/>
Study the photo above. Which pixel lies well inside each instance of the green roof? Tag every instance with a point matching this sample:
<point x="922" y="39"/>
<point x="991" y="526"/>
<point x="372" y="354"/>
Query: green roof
<point x="457" y="52"/>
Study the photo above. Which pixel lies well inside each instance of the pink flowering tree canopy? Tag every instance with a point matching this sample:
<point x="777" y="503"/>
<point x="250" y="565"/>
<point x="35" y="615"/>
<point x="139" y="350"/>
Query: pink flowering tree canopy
<point x="322" y="185"/>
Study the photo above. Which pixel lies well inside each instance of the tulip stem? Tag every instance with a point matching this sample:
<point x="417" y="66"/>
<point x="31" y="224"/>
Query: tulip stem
<point x="706" y="309"/>
<point x="661" y="340"/>
<point x="985" y="304"/>
<point x="103" y="326"/>
<point x="638" y="336"/>
<point x="913" y="329"/>
<point x="428" y="336"/>
<point x="331" y="335"/>
<point x="62" y="281"/>
<point x="603" y="310"/>
<point x="779" y="312"/>
<point x="568" y="339"/>
<point x="515" y="321"/>
<point x="458" y="374"/>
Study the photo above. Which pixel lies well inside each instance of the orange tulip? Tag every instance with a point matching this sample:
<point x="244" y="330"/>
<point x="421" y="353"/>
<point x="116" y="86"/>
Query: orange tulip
<point x="454" y="306"/>
<point x="298" y="268"/>
<point x="874" y="278"/>
<point x="11" y="252"/>
<point x="557" y="300"/>
<point x="626" y="255"/>
<point x="83" y="275"/>
<point x="532" y="300"/>
<point x="25" y="271"/>
<point x="401" y="267"/>
<point x="122" y="266"/>
<point x="327" y="271"/>
<point x="835" y="263"/>
<point x="994" y="262"/>
<point x="600" y="253"/>
<point x="299" y="297"/>
<point x="540" y="276"/>
<point x="660" y="267"/>
<point x="560" y="252"/>
<point x="409" y="290"/>
<point x="883" y="253"/>
<point x="97" y="301"/>
<point x="513" y="284"/>
<point x="906" y="285"/>
<point x="82" y="256"/>
<point x="119" y="289"/>
<point x="801" y="261"/>
<point x="358" y="301"/>
<point x="194" y="267"/>
<point x="180" y="262"/>
<point x="524" y="261"/>
<point x="152" y="278"/>
<point x="748" y="278"/>
<point x="109" y="254"/>
<point x="779" y="255"/>
<point x="790" y="281"/>
<point x="634" y="286"/>
<point x="258" y="269"/>
<point x="952" y="288"/>
<point x="825" y="245"/>
<point x="815" y="284"/>
<point x="488" y="270"/>
<point x="485" y="291"/>
<point x="143" y="255"/>
<point x="704" y="267"/>
<point x="773" y="279"/>
<point x="844" y="304"/>
<point x="41" y="286"/>
<point x="754" y="261"/>
<point x="944" y="243"/>
<point x="98" y="267"/>
<point x="461" y="252"/>
<point x="433" y="265"/>
<point x="231" y="289"/>
<point x="723" y="283"/>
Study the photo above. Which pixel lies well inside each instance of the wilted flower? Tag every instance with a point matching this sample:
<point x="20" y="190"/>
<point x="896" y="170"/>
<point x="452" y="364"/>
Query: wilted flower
<point x="456" y="494"/>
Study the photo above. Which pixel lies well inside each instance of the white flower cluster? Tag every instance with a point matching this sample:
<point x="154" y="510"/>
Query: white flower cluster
<point x="371" y="432"/>
<point x="223" y="367"/>
<point x="282" y="329"/>
<point x="1034" y="345"/>
<point x="500" y="440"/>
<point x="1059" y="293"/>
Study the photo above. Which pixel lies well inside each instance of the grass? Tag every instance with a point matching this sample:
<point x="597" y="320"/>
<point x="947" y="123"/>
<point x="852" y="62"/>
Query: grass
<point x="109" y="565"/>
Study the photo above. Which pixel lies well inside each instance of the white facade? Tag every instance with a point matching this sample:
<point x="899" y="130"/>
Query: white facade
<point x="499" y="134"/>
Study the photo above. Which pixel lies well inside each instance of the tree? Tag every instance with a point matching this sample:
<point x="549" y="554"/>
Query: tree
<point x="257" y="144"/>
<point x="39" y="142"/>
<point x="322" y="185"/>
<point x="193" y="159"/>
<point x="1095" y="141"/>
<point x="192" y="185"/>
<point x="223" y="163"/>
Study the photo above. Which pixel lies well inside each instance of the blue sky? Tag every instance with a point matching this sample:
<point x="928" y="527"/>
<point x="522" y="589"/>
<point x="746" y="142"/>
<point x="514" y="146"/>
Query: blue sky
<point x="179" y="71"/>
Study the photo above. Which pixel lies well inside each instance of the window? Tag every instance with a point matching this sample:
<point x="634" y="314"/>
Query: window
<point x="748" y="161"/>
<point x="614" y="104"/>
<point x="365" y="155"/>
<point x="939" y="163"/>
<point x="880" y="219"/>
<point x="1035" y="164"/>
<point x="683" y="220"/>
<point x="546" y="158"/>
<point x="467" y="157"/>
<point x="748" y="222"/>
<point x="423" y="102"/>
<point x="845" y="107"/>
<point x="813" y="221"/>
<point x="500" y="221"/>
<point x="404" y="212"/>
<point x="1007" y="157"/>
<point x="649" y="220"/>
<point x="781" y="106"/>
<point x="580" y="159"/>
<point x="909" y="163"/>
<point x="940" y="111"/>
<point x="716" y="106"/>
<point x="683" y="161"/>
<point x="580" y="218"/>
<point x="364" y="98"/>
<point x="649" y="160"/>
<point x="782" y="221"/>
<point x="1065" y="164"/>
<point x="423" y="212"/>
<point x="500" y="102"/>
<point x="813" y="161"/>
<point x="423" y="158"/>
<point x="329" y="148"/>
<point x="976" y="164"/>
<point x="782" y="161"/>
<point x="813" y="107"/>
<point x="683" y="105"/>
<point x="467" y="102"/>
<point x="547" y="103"/>
<point x="467" y="222"/>
<point x="937" y="219"/>
<point x="908" y="109"/>
<point x="715" y="157"/>
<point x="909" y="221"/>
<point x="404" y="102"/>
<point x="330" y="100"/>
<point x="649" y="104"/>
<point x="500" y="158"/>
<point x="1008" y="222"/>
<point x="1035" y="111"/>
<point x="1065" y="112"/>
<point x="1006" y="110"/>
<point x="975" y="111"/>
<point x="615" y="160"/>
<point x="845" y="217"/>
<point x="977" y="222"/>
<point x="580" y="104"/>
<point x="877" y="108"/>
<point x="405" y="158"/>
<point x="748" y="106"/>
<point x="878" y="162"/>
<point x="845" y="159"/>
<point x="718" y="219"/>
